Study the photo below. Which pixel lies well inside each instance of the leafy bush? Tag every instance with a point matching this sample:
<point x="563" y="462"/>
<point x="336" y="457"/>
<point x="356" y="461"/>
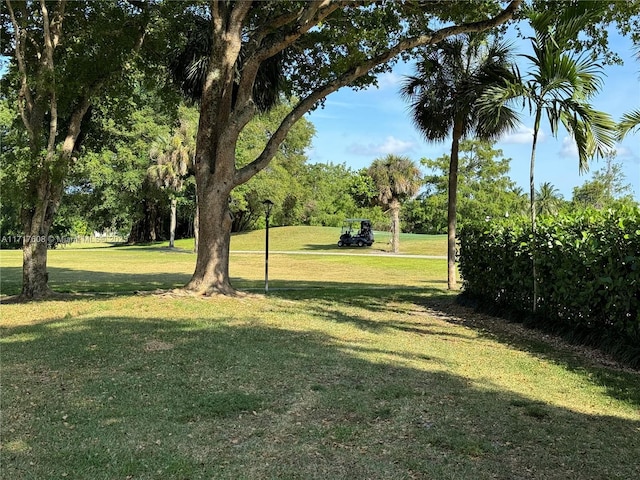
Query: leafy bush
<point x="587" y="268"/>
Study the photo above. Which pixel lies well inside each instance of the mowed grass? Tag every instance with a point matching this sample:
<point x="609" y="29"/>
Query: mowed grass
<point x="122" y="269"/>
<point x="326" y="238"/>
<point x="351" y="368"/>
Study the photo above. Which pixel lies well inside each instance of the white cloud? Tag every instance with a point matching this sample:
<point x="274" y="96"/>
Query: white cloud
<point x="624" y="152"/>
<point x="390" y="146"/>
<point x="389" y="80"/>
<point x="627" y="154"/>
<point x="524" y="135"/>
<point x="569" y="148"/>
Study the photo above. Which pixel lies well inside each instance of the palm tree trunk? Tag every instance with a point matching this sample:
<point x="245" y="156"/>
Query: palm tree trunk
<point x="532" y="193"/>
<point x="172" y="227"/>
<point x="452" y="205"/>
<point x="394" y="206"/>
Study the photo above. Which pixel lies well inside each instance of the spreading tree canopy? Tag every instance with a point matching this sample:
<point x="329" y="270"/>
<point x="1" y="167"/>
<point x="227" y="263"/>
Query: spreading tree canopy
<point x="318" y="47"/>
<point x="65" y="54"/>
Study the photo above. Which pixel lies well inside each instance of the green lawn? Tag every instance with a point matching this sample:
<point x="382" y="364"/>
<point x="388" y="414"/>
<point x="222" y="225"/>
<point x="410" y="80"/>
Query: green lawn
<point x="326" y="239"/>
<point x="122" y="269"/>
<point x="352" y="367"/>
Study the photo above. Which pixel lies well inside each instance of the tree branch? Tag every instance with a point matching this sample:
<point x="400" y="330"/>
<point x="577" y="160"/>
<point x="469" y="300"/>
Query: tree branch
<point x="56" y="22"/>
<point x="306" y="104"/>
<point x="239" y="13"/>
<point x="25" y="100"/>
<point x="307" y="18"/>
<point x="47" y="63"/>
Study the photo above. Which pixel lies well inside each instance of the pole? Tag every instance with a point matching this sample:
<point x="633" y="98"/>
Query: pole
<point x="268" y="204"/>
<point x="266" y="258"/>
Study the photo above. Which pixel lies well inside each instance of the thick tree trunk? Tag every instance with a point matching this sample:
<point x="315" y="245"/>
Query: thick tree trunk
<point x="212" y="264"/>
<point x="214" y="162"/>
<point x="452" y="206"/>
<point x="35" y="277"/>
<point x="214" y="170"/>
<point x="37" y="223"/>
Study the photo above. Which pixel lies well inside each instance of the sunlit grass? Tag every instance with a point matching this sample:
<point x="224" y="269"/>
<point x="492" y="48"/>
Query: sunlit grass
<point x="122" y="269"/>
<point x="325" y="239"/>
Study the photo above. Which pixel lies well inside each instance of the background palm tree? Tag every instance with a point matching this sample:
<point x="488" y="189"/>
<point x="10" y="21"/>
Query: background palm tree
<point x="396" y="179"/>
<point x="549" y="199"/>
<point x="560" y="84"/>
<point x="444" y="96"/>
<point x="173" y="160"/>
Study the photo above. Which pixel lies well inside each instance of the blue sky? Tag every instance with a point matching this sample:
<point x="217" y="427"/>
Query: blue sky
<point x="355" y="127"/>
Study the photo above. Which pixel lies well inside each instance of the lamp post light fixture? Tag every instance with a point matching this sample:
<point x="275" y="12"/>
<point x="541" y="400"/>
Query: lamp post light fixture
<point x="268" y="205"/>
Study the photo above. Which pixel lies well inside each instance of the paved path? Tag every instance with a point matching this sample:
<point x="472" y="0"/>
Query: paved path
<point x="306" y="252"/>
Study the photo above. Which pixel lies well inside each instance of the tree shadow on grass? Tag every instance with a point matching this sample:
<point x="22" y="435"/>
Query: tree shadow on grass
<point x="150" y="397"/>
<point x="330" y="302"/>
<point x="330" y="298"/>
<point x="316" y="247"/>
<point x="66" y="280"/>
<point x="619" y="381"/>
<point x="420" y="306"/>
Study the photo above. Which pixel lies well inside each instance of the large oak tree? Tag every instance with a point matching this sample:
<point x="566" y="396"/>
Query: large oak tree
<point x="322" y="45"/>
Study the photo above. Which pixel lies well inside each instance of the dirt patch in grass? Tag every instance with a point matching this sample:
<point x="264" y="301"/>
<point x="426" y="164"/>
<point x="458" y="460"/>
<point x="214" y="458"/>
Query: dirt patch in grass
<point x="157" y="346"/>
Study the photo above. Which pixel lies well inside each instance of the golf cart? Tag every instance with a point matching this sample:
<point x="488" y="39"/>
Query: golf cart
<point x="356" y="231"/>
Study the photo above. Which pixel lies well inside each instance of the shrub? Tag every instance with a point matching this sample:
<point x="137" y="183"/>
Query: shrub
<point x="587" y="267"/>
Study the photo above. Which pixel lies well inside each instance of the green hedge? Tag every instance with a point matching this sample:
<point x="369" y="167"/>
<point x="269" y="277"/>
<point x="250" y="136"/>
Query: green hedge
<point x="587" y="267"/>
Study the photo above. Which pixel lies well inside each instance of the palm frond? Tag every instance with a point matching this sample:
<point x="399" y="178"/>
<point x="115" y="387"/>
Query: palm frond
<point x="449" y="81"/>
<point x="629" y="122"/>
<point x="494" y="107"/>
<point x="594" y="131"/>
<point x="395" y="177"/>
<point x="190" y="64"/>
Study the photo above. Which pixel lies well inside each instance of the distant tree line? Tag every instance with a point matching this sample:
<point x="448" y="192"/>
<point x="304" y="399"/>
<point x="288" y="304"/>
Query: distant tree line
<point x="116" y="186"/>
<point x="129" y="181"/>
<point x="485" y="191"/>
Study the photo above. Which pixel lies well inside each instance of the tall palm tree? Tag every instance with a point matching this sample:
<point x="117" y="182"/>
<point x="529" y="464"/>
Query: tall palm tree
<point x="444" y="96"/>
<point x="173" y="160"/>
<point x="559" y="85"/>
<point x="396" y="179"/>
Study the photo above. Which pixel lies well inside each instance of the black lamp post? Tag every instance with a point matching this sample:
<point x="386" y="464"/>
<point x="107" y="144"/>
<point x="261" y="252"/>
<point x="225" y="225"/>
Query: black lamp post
<point x="268" y="205"/>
